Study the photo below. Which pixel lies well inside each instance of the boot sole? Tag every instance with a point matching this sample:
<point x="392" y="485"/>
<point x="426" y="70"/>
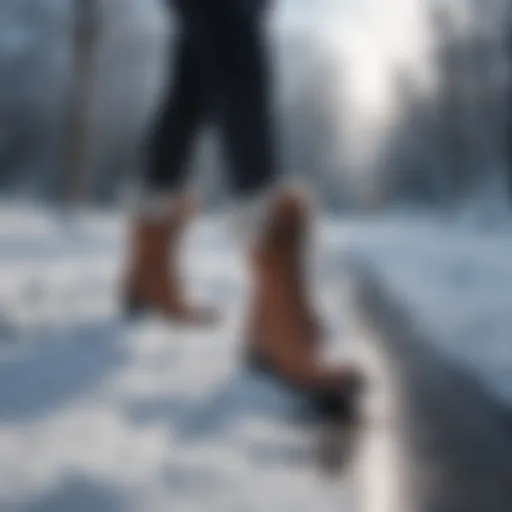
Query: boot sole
<point x="134" y="308"/>
<point x="332" y="407"/>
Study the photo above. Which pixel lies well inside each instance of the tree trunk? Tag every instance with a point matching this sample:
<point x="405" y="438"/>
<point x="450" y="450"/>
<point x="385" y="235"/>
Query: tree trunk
<point x="85" y="30"/>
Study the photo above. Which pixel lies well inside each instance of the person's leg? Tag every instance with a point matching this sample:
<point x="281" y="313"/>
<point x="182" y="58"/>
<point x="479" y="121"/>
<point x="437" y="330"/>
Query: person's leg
<point x="228" y="35"/>
<point x="274" y="220"/>
<point x="153" y="280"/>
<point x="178" y="121"/>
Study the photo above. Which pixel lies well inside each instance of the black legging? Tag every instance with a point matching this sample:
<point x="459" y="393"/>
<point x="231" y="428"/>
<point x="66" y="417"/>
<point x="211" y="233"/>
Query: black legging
<point x="220" y="69"/>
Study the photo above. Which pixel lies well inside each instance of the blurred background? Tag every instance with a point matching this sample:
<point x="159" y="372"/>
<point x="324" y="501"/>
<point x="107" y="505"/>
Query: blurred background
<point x="403" y="102"/>
<point x="397" y="115"/>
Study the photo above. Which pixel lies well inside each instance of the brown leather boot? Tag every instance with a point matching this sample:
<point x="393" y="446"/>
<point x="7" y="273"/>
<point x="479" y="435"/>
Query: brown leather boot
<point x="283" y="334"/>
<point x="153" y="281"/>
<point x="306" y="315"/>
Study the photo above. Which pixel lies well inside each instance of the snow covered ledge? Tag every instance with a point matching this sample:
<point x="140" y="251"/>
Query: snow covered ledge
<point x="432" y="438"/>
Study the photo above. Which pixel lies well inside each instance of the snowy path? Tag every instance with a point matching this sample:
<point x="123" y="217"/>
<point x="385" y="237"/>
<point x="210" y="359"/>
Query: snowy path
<point x="99" y="415"/>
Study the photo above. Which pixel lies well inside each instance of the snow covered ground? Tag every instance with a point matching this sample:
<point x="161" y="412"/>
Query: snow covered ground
<point x="97" y="414"/>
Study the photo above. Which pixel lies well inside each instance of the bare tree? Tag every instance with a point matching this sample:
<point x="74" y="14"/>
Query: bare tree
<point x="85" y="31"/>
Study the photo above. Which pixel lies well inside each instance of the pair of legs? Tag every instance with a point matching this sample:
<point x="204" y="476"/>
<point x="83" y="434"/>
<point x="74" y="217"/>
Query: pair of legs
<point x="221" y="75"/>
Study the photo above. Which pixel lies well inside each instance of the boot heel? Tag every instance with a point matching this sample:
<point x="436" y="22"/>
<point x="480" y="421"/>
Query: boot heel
<point x="133" y="307"/>
<point x="255" y="363"/>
